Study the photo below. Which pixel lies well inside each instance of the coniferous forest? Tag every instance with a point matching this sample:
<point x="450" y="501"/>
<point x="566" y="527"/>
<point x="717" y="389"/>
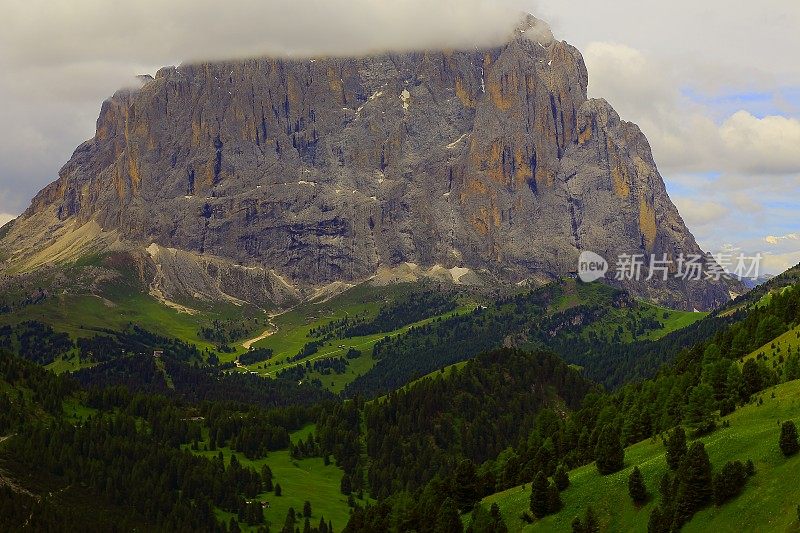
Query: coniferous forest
<point x="171" y="442"/>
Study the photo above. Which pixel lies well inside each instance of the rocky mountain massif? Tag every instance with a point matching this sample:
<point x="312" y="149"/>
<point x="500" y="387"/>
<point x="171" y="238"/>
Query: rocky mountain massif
<point x="265" y="179"/>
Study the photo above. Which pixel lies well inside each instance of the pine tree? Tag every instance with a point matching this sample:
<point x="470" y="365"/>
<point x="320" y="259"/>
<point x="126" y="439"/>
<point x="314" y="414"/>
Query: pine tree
<point x="346" y="486"/>
<point x="636" y="488"/>
<point x="540" y="500"/>
<point x="483" y="521"/>
<point x="307" y="508"/>
<point x="278" y="490"/>
<point x="788" y="440"/>
<point x="751" y="374"/>
<point x="288" y="524"/>
<point x="656" y="522"/>
<point x="676" y="448"/>
<point x="448" y="519"/>
<point x="694" y="483"/>
<point x="667" y="488"/>
<point x="590" y="524"/>
<point x="700" y="409"/>
<point x="561" y="478"/>
<point x="750" y="468"/>
<point x="480" y="521"/>
<point x="497" y="518"/>
<point x="465" y="489"/>
<point x="609" y="454"/>
<point x="735" y="386"/>
<point x="729" y="481"/>
<point x="266" y="478"/>
<point x="554" y="503"/>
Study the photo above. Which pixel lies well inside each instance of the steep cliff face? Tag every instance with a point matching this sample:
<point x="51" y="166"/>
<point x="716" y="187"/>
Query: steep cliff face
<point x="328" y="169"/>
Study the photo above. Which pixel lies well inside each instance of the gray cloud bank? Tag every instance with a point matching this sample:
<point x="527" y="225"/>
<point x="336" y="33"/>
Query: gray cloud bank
<point x="60" y="60"/>
<point x="154" y="31"/>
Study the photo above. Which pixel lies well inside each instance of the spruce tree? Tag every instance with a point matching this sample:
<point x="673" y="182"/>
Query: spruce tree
<point x="656" y="522"/>
<point x="266" y="478"/>
<point x="750" y="468"/>
<point x="694" y="483"/>
<point x="480" y="521"/>
<point x="497" y="518"/>
<point x="700" y="409"/>
<point x="788" y="440"/>
<point x="465" y="489"/>
<point x="676" y="447"/>
<point x="307" y="508"/>
<point x="288" y="524"/>
<point x="345" y="486"/>
<point x="561" y="478"/>
<point x="278" y="490"/>
<point x="729" y="481"/>
<point x="540" y="499"/>
<point x="636" y="488"/>
<point x="609" y="453"/>
<point x="448" y="519"/>
<point x="590" y="524"/>
<point x="554" y="503"/>
<point x="483" y="521"/>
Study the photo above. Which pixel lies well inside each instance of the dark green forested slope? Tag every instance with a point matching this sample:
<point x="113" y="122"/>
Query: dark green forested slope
<point x="134" y="439"/>
<point x="593" y="325"/>
<point x="105" y="458"/>
<point x="706" y="381"/>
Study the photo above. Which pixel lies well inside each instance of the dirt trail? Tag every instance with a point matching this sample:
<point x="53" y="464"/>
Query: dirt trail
<point x="271" y="331"/>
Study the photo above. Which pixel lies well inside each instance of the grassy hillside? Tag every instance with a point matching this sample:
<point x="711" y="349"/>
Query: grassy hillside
<point x="85" y="315"/>
<point x="591" y="325"/>
<point x="640" y="321"/>
<point x="292" y="330"/>
<point x="106" y="292"/>
<point x="768" y="502"/>
<point x="300" y="480"/>
<point x="783" y="345"/>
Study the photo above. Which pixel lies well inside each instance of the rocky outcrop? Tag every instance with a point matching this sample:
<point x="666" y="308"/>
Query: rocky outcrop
<point x="329" y="169"/>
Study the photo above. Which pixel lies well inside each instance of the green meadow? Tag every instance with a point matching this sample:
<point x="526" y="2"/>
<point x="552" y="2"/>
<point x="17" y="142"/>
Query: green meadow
<point x="300" y="480"/>
<point x="768" y="502"/>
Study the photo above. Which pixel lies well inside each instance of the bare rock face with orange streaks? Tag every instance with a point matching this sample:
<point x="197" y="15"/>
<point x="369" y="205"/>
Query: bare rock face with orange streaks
<point x="327" y="169"/>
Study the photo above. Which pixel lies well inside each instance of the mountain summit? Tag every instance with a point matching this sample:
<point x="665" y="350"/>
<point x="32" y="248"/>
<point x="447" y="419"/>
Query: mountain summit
<point x="262" y="179"/>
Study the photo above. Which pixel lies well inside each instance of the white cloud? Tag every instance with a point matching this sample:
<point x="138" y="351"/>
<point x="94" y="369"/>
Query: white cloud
<point x="772" y="239"/>
<point x="777" y="263"/>
<point x="682" y="132"/>
<point x="766" y="145"/>
<point x="737" y="176"/>
<point x="700" y="212"/>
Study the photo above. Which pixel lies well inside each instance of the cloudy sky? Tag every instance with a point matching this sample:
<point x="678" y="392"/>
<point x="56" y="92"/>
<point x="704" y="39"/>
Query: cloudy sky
<point x="714" y="84"/>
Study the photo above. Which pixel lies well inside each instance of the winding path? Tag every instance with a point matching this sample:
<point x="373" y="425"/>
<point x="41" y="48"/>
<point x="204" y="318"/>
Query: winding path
<point x="271" y="331"/>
